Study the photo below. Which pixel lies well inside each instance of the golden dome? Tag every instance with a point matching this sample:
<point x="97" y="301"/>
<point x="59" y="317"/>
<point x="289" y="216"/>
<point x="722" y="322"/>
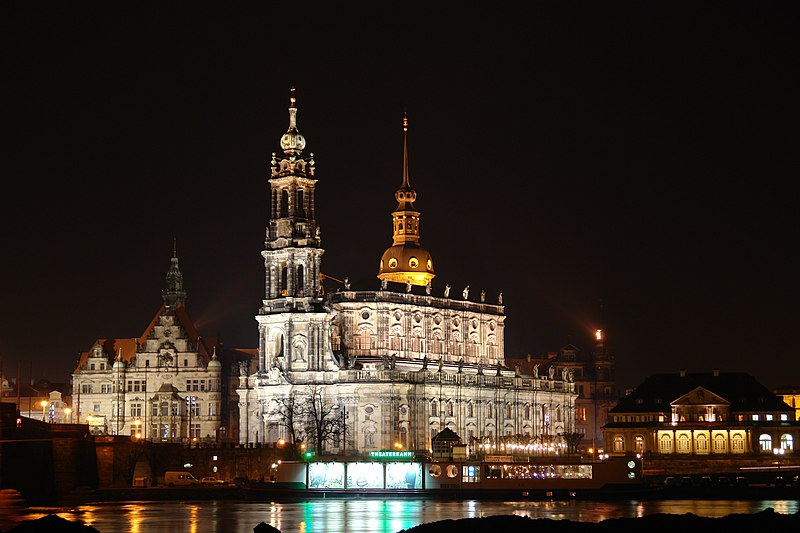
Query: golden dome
<point x="403" y="263"/>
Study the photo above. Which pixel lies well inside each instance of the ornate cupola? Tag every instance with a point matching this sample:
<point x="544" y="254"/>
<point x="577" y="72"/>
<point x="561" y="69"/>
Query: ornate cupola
<point x="292" y="245"/>
<point x="173" y="294"/>
<point x="406" y="261"/>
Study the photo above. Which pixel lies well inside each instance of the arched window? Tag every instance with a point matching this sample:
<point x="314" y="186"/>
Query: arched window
<point x="684" y="444"/>
<point x="449" y="408"/>
<point x="470" y="410"/>
<point x="301" y="211"/>
<point x="765" y="442"/>
<point x="619" y="443"/>
<point x="284" y="203"/>
<point x="665" y="443"/>
<point x="489" y="410"/>
<point x="701" y="443"/>
<point x="284" y="280"/>
<point x="300" y="279"/>
<point x="720" y="444"/>
<point x="737" y="444"/>
<point x="434" y="408"/>
<point x="508" y="410"/>
<point x="787" y="442"/>
<point x="638" y="444"/>
<point x="527" y="411"/>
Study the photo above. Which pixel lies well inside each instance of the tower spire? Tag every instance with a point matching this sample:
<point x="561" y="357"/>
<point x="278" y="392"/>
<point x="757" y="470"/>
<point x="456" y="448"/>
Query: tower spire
<point x="173" y="294"/>
<point x="406" y="261"/>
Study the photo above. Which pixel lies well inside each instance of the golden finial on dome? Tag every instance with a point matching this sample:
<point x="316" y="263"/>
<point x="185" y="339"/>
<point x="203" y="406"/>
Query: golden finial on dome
<point x="292" y="97"/>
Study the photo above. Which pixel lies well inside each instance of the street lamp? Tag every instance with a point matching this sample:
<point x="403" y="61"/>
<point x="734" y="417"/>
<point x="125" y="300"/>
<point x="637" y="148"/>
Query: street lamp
<point x="137" y="433"/>
<point x="68" y="414"/>
<point x="43" y="403"/>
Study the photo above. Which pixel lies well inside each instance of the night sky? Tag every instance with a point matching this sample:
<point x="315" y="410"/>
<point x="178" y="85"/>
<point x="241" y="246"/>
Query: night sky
<point x="620" y="165"/>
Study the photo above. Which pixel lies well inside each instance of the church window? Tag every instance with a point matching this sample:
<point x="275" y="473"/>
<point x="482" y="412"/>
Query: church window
<point x="284" y="203"/>
<point x="449" y="408"/>
<point x="489" y="410"/>
<point x="528" y="411"/>
<point x="737" y="444"/>
<point x="508" y="410"/>
<point x="300" y="203"/>
<point x="300" y="278"/>
<point x="470" y="410"/>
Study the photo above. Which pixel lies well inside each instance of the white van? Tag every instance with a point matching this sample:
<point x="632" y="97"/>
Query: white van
<point x="173" y="479"/>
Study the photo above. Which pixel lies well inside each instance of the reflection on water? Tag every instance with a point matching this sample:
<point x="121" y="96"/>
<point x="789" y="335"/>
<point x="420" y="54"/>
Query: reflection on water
<point x="355" y="515"/>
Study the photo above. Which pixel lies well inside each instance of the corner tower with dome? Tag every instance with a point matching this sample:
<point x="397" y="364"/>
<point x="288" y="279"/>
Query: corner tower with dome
<point x="370" y="369"/>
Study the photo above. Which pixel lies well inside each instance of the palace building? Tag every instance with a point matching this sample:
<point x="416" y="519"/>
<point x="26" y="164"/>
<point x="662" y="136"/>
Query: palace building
<point x="355" y="371"/>
<point x="167" y="385"/>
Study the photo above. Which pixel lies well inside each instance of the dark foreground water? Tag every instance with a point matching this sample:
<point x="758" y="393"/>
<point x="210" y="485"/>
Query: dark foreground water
<point x="364" y="515"/>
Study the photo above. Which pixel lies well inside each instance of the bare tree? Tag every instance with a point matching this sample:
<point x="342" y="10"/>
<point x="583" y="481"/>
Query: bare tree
<point x="324" y="422"/>
<point x="289" y="412"/>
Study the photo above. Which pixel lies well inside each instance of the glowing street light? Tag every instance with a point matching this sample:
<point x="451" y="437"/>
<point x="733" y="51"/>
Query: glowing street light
<point x="68" y="415"/>
<point x="43" y="403"/>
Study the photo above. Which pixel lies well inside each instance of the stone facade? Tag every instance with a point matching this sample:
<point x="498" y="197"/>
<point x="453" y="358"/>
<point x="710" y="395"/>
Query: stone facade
<point x="357" y="371"/>
<point x="165" y="386"/>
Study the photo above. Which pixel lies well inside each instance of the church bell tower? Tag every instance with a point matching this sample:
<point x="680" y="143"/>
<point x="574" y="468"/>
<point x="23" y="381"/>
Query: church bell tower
<point x="292" y="322"/>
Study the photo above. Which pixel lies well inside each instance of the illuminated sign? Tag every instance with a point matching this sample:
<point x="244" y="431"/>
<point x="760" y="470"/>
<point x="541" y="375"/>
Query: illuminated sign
<point x="391" y="454"/>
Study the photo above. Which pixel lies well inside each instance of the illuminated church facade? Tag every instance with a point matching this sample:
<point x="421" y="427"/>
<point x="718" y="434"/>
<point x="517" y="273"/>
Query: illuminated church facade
<point x="380" y="369"/>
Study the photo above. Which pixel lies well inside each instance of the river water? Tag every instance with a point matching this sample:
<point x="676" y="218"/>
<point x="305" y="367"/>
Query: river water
<point x="364" y="515"/>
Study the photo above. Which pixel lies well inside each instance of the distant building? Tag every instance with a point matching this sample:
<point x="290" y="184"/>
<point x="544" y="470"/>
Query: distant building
<point x="790" y="395"/>
<point x="701" y="414"/>
<point x="43" y="400"/>
<point x="168" y="385"/>
<point x="594" y="376"/>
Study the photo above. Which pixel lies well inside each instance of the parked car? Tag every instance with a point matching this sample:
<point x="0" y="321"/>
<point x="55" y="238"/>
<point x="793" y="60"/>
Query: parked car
<point x="212" y="481"/>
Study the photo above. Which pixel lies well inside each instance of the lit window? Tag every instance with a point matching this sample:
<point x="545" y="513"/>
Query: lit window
<point x="768" y="417"/>
<point x="755" y="418"/>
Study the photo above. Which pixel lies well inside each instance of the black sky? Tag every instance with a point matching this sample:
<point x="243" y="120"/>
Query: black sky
<point x="619" y="164"/>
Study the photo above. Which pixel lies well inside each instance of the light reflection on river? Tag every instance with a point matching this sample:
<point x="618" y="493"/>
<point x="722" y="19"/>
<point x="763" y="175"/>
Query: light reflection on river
<point x="371" y="515"/>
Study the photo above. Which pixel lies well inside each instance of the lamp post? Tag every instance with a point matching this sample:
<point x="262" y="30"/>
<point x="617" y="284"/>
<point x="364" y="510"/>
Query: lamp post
<point x="44" y="406"/>
<point x="68" y="415"/>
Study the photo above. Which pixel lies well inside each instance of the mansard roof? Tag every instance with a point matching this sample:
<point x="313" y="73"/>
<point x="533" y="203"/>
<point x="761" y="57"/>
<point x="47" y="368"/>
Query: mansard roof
<point x="741" y="390"/>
